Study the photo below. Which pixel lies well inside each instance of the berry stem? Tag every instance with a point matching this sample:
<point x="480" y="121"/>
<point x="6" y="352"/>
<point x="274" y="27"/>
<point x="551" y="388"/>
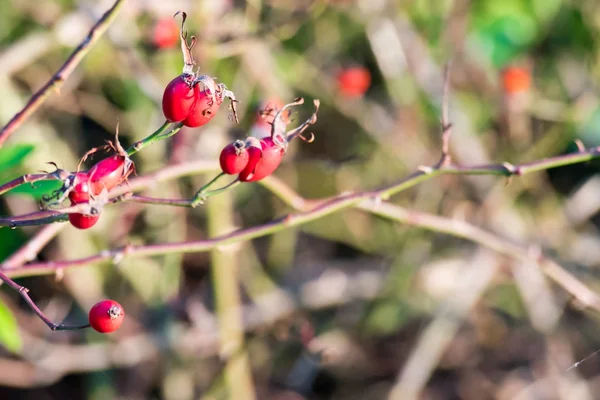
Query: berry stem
<point x="24" y="293"/>
<point x="204" y="193"/>
<point x="214" y="180"/>
<point x="156" y="136"/>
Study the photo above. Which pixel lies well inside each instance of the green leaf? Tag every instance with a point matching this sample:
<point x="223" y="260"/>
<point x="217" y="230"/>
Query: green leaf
<point x="36" y="189"/>
<point x="12" y="156"/>
<point x="9" y="331"/>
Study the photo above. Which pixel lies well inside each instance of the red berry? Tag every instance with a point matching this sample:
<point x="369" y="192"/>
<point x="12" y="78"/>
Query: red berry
<point x="234" y="157"/>
<point x="515" y="79"/>
<point x="81" y="194"/>
<point x="179" y="99"/>
<point x="81" y="188"/>
<point x="354" y="81"/>
<point x="166" y="33"/>
<point x="82" y="221"/>
<point x="262" y="126"/>
<point x="254" y="156"/>
<point x="204" y="108"/>
<point x="264" y="162"/>
<point x="108" y="173"/>
<point x="106" y="316"/>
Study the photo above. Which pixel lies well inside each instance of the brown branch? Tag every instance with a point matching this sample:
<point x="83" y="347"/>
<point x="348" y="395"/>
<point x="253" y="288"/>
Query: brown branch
<point x="24" y="293"/>
<point x="63" y="73"/>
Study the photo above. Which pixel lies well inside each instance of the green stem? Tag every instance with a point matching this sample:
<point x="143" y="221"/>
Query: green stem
<point x="156" y="136"/>
<point x="202" y="194"/>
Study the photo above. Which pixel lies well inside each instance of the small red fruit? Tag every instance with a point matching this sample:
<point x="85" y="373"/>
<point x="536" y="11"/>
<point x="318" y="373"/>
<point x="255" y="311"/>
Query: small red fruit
<point x="166" y="33"/>
<point x="82" y="221"/>
<point x="515" y="79"/>
<point x="81" y="188"/>
<point x="204" y="108"/>
<point x="106" y="316"/>
<point x="354" y="81"/>
<point x="234" y="157"/>
<point x="81" y="194"/>
<point x="263" y="162"/>
<point x="110" y="172"/>
<point x="179" y="98"/>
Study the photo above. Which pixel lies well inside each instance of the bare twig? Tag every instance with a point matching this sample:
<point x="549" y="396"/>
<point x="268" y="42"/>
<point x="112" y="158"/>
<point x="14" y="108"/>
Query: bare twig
<point x="63" y="73"/>
<point x="24" y="293"/>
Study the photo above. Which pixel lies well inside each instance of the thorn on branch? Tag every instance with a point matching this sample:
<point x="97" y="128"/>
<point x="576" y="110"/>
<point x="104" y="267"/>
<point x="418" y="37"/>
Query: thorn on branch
<point x="580" y="145"/>
<point x="425" y="169"/>
<point x="511" y="169"/>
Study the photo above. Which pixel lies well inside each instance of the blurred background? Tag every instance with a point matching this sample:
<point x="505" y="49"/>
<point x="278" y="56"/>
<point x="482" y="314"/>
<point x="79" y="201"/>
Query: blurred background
<point x="351" y="306"/>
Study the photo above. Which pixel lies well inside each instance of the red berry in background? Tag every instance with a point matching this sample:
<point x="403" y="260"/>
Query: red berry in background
<point x="82" y="221"/>
<point x="264" y="162"/>
<point x="108" y="173"/>
<point x="262" y="126"/>
<point x="354" y="81"/>
<point x="204" y="108"/>
<point x="179" y="99"/>
<point x="234" y="157"/>
<point x="106" y="316"/>
<point x="515" y="79"/>
<point x="165" y="34"/>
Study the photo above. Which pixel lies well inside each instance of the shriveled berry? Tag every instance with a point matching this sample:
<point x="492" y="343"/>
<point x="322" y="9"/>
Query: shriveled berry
<point x="165" y="34"/>
<point x="204" y="109"/>
<point x="179" y="99"/>
<point x="109" y="172"/>
<point x="234" y="157"/>
<point x="354" y="81"/>
<point x="106" y="316"/>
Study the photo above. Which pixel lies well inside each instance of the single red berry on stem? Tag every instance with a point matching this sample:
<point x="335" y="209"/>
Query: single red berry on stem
<point x="234" y="157"/>
<point x="165" y="34"/>
<point x="106" y="316"/>
<point x="179" y="98"/>
<point x="354" y="81"/>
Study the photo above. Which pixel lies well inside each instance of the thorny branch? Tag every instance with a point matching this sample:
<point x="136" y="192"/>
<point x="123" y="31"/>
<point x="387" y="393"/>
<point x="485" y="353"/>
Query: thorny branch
<point x="309" y="210"/>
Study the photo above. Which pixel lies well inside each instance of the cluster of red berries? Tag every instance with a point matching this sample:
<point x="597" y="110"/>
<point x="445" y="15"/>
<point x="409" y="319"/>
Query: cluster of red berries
<point x="254" y="159"/>
<point x="106" y="316"/>
<point x="194" y="99"/>
<point x="86" y="186"/>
